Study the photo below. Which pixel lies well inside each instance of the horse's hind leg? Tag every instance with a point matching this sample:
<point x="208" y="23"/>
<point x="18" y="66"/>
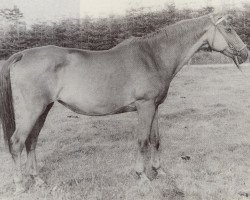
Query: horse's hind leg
<point x="24" y="125"/>
<point x="155" y="144"/>
<point x="30" y="144"/>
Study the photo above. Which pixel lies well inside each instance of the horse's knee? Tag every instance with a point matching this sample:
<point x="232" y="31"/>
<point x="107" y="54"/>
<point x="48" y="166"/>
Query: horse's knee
<point x="155" y="140"/>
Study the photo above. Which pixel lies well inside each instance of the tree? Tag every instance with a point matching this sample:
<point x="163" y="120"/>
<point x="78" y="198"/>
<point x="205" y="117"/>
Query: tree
<point x="12" y="31"/>
<point x="11" y="14"/>
<point x="247" y="22"/>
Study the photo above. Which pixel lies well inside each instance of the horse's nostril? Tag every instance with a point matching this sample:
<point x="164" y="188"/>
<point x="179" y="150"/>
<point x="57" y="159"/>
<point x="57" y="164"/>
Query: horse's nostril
<point x="240" y="60"/>
<point x="243" y="56"/>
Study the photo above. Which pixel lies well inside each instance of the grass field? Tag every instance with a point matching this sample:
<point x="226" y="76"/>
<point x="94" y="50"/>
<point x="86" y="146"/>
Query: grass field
<point x="204" y="126"/>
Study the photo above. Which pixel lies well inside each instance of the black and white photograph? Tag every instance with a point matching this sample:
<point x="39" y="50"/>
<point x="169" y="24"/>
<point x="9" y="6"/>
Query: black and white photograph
<point x="124" y="100"/>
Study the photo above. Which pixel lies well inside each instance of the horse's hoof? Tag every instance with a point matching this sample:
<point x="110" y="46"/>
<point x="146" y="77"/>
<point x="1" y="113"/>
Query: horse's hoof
<point x="244" y="194"/>
<point x="144" y="185"/>
<point x="144" y="178"/>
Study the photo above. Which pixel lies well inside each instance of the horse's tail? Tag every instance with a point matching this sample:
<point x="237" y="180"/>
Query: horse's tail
<point x="7" y="114"/>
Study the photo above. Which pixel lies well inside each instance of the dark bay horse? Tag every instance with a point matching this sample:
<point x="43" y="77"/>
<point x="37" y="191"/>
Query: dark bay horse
<point x="133" y="76"/>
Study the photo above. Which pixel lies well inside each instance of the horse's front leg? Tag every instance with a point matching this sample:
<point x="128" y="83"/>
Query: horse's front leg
<point x="146" y="113"/>
<point x="155" y="144"/>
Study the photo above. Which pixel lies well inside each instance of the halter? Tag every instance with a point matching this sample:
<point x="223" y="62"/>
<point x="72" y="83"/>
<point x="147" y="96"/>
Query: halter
<point x="231" y="46"/>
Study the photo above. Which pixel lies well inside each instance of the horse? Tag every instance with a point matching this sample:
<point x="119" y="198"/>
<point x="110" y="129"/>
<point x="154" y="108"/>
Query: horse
<point x="133" y="76"/>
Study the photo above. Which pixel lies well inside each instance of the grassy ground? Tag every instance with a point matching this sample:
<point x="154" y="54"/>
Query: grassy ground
<point x="204" y="125"/>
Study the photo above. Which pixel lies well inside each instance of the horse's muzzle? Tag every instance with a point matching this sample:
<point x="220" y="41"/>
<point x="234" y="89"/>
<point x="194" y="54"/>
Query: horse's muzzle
<point x="243" y="55"/>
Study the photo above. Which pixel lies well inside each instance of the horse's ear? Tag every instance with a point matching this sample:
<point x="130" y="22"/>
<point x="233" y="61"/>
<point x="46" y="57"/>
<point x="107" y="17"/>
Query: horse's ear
<point x="218" y="15"/>
<point x="215" y="17"/>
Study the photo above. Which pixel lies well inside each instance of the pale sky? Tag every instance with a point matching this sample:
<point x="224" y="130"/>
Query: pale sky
<point x="44" y="10"/>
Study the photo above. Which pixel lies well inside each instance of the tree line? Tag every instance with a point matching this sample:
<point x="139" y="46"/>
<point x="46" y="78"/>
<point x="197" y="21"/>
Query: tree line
<point x="99" y="34"/>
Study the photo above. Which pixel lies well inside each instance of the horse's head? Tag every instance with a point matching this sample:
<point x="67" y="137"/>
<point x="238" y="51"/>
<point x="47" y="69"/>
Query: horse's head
<point x="222" y="37"/>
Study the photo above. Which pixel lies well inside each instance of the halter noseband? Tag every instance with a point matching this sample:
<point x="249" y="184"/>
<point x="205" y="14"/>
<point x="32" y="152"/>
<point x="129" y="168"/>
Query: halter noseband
<point x="231" y="46"/>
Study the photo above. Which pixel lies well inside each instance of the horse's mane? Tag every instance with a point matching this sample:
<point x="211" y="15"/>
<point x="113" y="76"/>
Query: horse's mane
<point x="174" y="31"/>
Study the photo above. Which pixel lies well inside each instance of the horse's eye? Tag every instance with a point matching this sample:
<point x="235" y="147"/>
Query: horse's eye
<point x="229" y="30"/>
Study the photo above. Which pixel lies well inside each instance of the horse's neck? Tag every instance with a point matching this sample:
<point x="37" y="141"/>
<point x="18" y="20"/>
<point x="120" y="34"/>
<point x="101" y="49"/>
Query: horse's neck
<point x="187" y="52"/>
<point x="176" y="52"/>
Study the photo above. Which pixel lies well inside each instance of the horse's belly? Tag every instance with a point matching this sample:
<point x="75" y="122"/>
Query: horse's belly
<point x="89" y="102"/>
<point x="95" y="90"/>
